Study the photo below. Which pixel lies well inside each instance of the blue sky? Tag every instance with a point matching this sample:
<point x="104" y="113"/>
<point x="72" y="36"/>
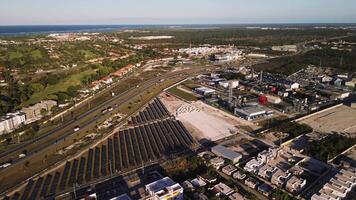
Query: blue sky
<point x="45" y="12"/>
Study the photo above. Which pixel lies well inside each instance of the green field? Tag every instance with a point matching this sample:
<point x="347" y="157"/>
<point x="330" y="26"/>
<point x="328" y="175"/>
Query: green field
<point x="62" y="86"/>
<point x="182" y="94"/>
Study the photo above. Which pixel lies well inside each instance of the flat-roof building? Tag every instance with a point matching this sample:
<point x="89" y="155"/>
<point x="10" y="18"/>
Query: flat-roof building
<point x="250" y="112"/>
<point x="226" y="153"/>
<point x="165" y="188"/>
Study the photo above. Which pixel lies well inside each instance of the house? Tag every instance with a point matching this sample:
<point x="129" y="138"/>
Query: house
<point x="265" y="189"/>
<point x="107" y="80"/>
<point x="217" y="162"/>
<point x="123" y="71"/>
<point x="236" y="196"/>
<point x="223" y="189"/>
<point x="187" y="185"/>
<point x="266" y="156"/>
<point x="251" y="182"/>
<point x="95" y="85"/>
<point x="229" y="169"/>
<point x="207" y="178"/>
<point x="226" y="153"/>
<point x="164" y="188"/>
<point x="253" y="165"/>
<point x="197" y="182"/>
<point x="295" y="184"/>
<point x="280" y="177"/>
<point x="266" y="171"/>
<point x="239" y="175"/>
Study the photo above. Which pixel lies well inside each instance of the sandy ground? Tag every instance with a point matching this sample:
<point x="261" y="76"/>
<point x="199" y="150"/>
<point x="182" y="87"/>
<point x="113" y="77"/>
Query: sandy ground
<point x="339" y="119"/>
<point x="204" y="121"/>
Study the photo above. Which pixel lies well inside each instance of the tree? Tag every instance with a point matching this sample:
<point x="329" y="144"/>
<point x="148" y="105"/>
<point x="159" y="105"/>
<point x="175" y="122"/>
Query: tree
<point x="72" y="91"/>
<point x="36" y="87"/>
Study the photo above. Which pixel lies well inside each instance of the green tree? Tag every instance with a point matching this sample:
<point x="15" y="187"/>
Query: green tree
<point x="36" y="87"/>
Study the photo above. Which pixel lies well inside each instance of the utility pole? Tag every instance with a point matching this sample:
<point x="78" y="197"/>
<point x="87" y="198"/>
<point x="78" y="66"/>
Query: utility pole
<point x="74" y="191"/>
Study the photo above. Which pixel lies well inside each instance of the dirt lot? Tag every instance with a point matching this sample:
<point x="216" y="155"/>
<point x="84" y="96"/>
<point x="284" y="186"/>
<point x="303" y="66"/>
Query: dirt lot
<point x="338" y="119"/>
<point x="203" y="121"/>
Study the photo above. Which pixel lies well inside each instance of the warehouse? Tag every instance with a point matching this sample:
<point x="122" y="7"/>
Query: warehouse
<point x="250" y="112"/>
<point x="224" y="152"/>
<point x="205" y="91"/>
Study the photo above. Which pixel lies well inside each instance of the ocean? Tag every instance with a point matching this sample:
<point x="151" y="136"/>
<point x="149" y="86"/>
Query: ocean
<point x="46" y="29"/>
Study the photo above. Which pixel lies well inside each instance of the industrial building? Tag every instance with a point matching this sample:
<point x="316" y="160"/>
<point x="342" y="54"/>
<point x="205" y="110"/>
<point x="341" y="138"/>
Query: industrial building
<point x="165" y="188"/>
<point x="250" y="112"/>
<point x="204" y="91"/>
<point x="226" y="153"/>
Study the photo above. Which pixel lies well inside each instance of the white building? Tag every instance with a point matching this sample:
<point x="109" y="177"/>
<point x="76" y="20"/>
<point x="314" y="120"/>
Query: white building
<point x="287" y="48"/>
<point x="166" y="189"/>
<point x="339" y="186"/>
<point x="11" y="121"/>
<point x="223" y="189"/>
<point x="231" y="83"/>
<point x="295" y="184"/>
<point x="250" y="112"/>
<point x="204" y="91"/>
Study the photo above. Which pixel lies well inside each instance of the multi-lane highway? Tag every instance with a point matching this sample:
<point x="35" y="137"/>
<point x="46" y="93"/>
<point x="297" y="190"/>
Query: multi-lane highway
<point x="87" y="121"/>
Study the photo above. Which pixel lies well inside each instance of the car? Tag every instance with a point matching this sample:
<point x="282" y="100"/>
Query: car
<point x="76" y="129"/>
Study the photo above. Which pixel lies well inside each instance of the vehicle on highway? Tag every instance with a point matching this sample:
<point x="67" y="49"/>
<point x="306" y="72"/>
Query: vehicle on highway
<point x="77" y="128"/>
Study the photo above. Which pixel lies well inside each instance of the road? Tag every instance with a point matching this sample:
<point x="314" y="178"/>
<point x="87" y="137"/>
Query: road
<point x="88" y="120"/>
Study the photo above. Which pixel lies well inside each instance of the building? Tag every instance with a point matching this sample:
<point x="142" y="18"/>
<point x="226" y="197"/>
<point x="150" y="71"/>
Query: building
<point x="295" y="184"/>
<point x="33" y="113"/>
<point x="197" y="182"/>
<point x="107" y="80"/>
<point x="239" y="175"/>
<point x="226" y="153"/>
<point x="121" y="197"/>
<point x="207" y="178"/>
<point x="265" y="189"/>
<point x="187" y="185"/>
<point x="266" y="171"/>
<point x="280" y="177"/>
<point x="351" y="83"/>
<point x="273" y="99"/>
<point x="339" y="187"/>
<point x="223" y="189"/>
<point x="266" y="156"/>
<point x="123" y="71"/>
<point x="229" y="169"/>
<point x="250" y="112"/>
<point x="204" y="91"/>
<point x="251" y="182"/>
<point x="165" y="188"/>
<point x="253" y="165"/>
<point x="236" y="196"/>
<point x="231" y="84"/>
<point x="286" y="48"/>
<point x="217" y="162"/>
<point x="11" y="121"/>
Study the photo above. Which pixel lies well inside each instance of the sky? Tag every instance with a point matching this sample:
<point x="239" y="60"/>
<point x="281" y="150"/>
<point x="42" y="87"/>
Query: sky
<point x="94" y="12"/>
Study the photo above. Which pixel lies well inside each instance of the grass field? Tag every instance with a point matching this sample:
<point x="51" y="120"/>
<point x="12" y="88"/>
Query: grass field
<point x="73" y="80"/>
<point x="182" y="94"/>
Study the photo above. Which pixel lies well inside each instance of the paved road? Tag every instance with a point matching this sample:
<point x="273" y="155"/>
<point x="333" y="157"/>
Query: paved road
<point x="89" y="119"/>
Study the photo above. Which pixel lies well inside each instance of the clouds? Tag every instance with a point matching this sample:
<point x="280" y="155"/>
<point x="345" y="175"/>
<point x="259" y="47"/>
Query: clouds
<point x="174" y="11"/>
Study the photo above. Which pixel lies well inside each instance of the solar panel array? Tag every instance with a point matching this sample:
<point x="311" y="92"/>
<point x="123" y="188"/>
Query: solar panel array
<point x="153" y="111"/>
<point x="125" y="150"/>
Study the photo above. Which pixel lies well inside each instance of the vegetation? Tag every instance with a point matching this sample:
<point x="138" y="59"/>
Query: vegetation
<point x="182" y="94"/>
<point x="329" y="147"/>
<point x="324" y="58"/>
<point x="282" y="195"/>
<point x="293" y="128"/>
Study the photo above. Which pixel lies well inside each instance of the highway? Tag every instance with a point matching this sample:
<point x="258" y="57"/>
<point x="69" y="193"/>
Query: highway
<point x="86" y="121"/>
